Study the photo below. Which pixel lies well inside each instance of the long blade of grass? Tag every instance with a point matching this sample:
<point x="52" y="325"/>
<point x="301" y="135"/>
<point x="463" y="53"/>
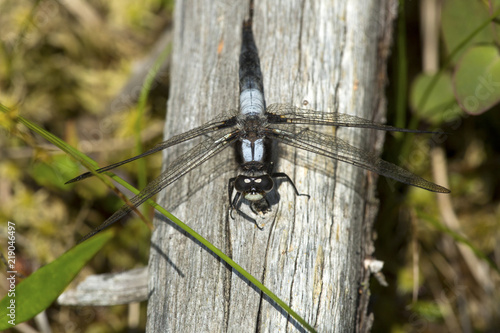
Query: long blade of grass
<point x="91" y="165"/>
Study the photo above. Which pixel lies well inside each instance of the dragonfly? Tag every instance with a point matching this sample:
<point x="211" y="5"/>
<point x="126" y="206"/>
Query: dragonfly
<point x="252" y="130"/>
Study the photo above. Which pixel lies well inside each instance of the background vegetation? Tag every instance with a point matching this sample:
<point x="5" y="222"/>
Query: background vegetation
<point x="441" y="252"/>
<point x="72" y="67"/>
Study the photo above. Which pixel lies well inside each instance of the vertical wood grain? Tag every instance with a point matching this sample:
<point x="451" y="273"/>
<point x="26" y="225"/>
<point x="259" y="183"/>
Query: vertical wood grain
<point x="329" y="55"/>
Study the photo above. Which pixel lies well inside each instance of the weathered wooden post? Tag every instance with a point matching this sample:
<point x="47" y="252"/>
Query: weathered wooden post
<point x="311" y="252"/>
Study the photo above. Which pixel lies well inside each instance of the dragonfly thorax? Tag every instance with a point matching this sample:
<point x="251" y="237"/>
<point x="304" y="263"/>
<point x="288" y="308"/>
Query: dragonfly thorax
<point x="254" y="123"/>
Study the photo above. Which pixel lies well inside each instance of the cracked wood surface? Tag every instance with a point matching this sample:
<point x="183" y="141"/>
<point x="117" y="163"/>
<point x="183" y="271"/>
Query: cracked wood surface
<point x="324" y="55"/>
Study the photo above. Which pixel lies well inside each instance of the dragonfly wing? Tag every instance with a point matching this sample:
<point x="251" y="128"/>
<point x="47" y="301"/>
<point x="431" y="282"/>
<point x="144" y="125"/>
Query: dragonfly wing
<point x="223" y="120"/>
<point x="289" y="114"/>
<point x="339" y="149"/>
<point x="178" y="168"/>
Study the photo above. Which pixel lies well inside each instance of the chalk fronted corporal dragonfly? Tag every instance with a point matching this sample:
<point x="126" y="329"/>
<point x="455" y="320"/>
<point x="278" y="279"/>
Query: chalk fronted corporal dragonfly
<point x="252" y="129"/>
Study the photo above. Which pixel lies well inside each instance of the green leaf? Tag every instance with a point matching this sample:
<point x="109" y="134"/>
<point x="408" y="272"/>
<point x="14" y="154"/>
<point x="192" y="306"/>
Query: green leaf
<point x="40" y="289"/>
<point x="477" y="79"/>
<point x="460" y="47"/>
<point x="460" y="18"/>
<point x="440" y="105"/>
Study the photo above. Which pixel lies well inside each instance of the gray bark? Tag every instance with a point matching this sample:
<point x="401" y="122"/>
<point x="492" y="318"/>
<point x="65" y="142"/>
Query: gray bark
<point x="109" y="289"/>
<point x="311" y="251"/>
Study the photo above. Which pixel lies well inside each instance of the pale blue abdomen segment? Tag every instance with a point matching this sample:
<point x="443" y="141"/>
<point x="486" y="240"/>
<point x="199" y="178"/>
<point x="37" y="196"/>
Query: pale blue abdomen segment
<point x="252" y="102"/>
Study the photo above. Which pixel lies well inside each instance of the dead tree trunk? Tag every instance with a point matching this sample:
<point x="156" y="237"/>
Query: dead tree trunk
<point x="329" y="55"/>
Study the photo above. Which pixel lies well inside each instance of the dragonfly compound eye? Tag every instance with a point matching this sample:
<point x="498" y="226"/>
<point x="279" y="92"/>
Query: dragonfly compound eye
<point x="264" y="183"/>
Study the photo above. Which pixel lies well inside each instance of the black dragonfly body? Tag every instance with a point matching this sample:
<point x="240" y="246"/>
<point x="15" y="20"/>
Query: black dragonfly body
<point x="253" y="128"/>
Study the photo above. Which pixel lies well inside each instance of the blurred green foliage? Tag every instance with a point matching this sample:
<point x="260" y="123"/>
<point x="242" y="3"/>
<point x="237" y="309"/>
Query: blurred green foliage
<point x="443" y="276"/>
<point x="62" y="64"/>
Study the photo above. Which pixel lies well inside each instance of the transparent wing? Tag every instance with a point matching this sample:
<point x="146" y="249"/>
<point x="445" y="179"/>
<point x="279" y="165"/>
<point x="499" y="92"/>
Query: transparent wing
<point x="178" y="168"/>
<point x="284" y="113"/>
<point x="338" y="149"/>
<point x="223" y="120"/>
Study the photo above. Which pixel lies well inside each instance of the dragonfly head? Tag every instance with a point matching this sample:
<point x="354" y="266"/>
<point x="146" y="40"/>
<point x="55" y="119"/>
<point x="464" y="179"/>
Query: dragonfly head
<point x="254" y="188"/>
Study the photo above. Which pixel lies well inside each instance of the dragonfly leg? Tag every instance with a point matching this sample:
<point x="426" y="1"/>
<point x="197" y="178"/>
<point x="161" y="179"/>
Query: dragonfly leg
<point x="230" y="189"/>
<point x="288" y="179"/>
<point x="234" y="205"/>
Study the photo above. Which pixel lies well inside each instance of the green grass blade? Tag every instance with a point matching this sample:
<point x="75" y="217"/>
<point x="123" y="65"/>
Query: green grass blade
<point x="237" y="267"/>
<point x="35" y="293"/>
<point x="89" y="163"/>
